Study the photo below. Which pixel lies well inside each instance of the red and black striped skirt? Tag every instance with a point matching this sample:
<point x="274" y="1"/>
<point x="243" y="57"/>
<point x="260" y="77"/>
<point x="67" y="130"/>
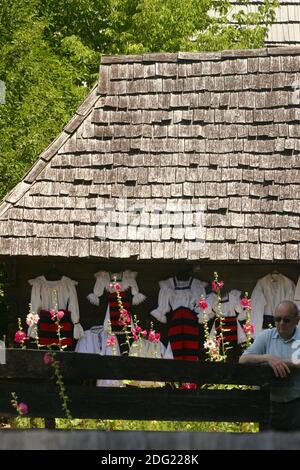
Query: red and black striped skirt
<point x="184" y="334"/>
<point x="47" y="329"/>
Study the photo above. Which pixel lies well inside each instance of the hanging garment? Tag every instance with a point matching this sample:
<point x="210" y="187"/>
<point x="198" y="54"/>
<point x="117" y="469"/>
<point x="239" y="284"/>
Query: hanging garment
<point x="94" y="341"/>
<point x="47" y="329"/>
<point x="268" y="292"/>
<point x="297" y="294"/>
<point x="181" y="298"/>
<point x="106" y="297"/>
<point x="232" y="313"/>
<point x="90" y="342"/>
<point x="61" y="295"/>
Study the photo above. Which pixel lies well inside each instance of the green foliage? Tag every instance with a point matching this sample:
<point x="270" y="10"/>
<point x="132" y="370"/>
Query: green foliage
<point x="42" y="91"/>
<point x="125" y="425"/>
<point x="134" y="26"/>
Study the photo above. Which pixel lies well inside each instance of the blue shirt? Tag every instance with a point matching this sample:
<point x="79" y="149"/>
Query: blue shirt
<point x="270" y="342"/>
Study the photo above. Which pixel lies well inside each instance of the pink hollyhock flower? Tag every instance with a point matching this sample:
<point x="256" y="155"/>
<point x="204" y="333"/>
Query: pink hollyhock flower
<point x="217" y="285"/>
<point x="53" y="314"/>
<point x="48" y="359"/>
<point x="203" y="304"/>
<point x="188" y="386"/>
<point x="60" y="314"/>
<point x="111" y="341"/>
<point x="23" y="408"/>
<point x="135" y="336"/>
<point x="246" y="303"/>
<point x="124" y="318"/>
<point x="115" y="285"/>
<point x="135" y="332"/>
<point x="20" y="336"/>
<point x="248" y="328"/>
<point x="153" y="337"/>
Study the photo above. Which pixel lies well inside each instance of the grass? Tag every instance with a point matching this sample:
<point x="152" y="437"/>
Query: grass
<point x="128" y="425"/>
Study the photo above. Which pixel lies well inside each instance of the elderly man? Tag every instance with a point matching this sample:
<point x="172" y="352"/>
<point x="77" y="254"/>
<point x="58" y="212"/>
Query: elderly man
<point x="280" y="348"/>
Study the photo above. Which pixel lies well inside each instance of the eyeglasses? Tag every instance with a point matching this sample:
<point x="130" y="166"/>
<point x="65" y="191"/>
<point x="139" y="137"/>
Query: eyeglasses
<point x="284" y="319"/>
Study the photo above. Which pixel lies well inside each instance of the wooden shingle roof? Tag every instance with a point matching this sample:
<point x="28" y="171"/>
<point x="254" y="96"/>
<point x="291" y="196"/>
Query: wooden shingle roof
<point x="171" y="156"/>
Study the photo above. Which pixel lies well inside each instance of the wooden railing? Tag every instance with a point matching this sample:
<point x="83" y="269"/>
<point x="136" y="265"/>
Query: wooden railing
<point x="26" y="374"/>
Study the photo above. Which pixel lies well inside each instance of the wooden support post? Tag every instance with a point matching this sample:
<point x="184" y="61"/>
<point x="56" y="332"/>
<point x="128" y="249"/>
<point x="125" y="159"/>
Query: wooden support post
<point x="49" y="423"/>
<point x="264" y="425"/>
<point x="11" y="296"/>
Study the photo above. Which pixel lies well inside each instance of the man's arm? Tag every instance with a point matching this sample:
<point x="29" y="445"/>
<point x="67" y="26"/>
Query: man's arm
<point x="254" y="358"/>
<point x="279" y="366"/>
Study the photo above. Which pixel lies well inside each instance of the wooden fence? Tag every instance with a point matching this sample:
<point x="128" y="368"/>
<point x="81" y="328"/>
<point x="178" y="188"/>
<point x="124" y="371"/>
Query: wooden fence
<point x="26" y="374"/>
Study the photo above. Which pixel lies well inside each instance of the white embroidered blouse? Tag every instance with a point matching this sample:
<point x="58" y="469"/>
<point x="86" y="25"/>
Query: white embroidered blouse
<point x="45" y="293"/>
<point x="231" y="307"/>
<point x="175" y="293"/>
<point x="126" y="279"/>
<point x="268" y="292"/>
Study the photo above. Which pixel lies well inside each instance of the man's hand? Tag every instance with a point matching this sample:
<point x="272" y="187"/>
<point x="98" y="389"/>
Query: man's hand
<point x="279" y="366"/>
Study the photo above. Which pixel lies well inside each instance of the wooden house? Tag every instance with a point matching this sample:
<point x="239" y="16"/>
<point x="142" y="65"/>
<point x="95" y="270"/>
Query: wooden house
<point x="285" y="29"/>
<point x="173" y="162"/>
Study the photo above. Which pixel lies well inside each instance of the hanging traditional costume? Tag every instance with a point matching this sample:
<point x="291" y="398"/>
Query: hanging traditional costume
<point x="180" y="298"/>
<point x="106" y="297"/>
<point x="47" y="296"/>
<point x="232" y="314"/>
<point x="94" y="341"/>
<point x="267" y="294"/>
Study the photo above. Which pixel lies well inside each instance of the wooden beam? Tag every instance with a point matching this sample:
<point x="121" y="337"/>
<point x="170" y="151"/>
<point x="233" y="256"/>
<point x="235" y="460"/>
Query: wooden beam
<point x="140" y="404"/>
<point x="25" y="364"/>
<point x="11" y="297"/>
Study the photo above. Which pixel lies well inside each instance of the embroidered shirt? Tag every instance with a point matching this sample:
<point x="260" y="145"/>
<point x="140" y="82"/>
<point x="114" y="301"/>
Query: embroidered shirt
<point x="268" y="292"/>
<point x="175" y="293"/>
<point x="44" y="295"/>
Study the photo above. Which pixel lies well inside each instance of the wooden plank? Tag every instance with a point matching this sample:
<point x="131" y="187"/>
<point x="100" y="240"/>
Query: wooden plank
<point x="120" y="59"/>
<point x="131" y="403"/>
<point x="30" y="364"/>
<point x="294" y="50"/>
<point x="17" y="192"/>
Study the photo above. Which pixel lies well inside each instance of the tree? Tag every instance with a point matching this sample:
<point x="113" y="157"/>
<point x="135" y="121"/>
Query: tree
<point x="42" y="90"/>
<point x="127" y="26"/>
